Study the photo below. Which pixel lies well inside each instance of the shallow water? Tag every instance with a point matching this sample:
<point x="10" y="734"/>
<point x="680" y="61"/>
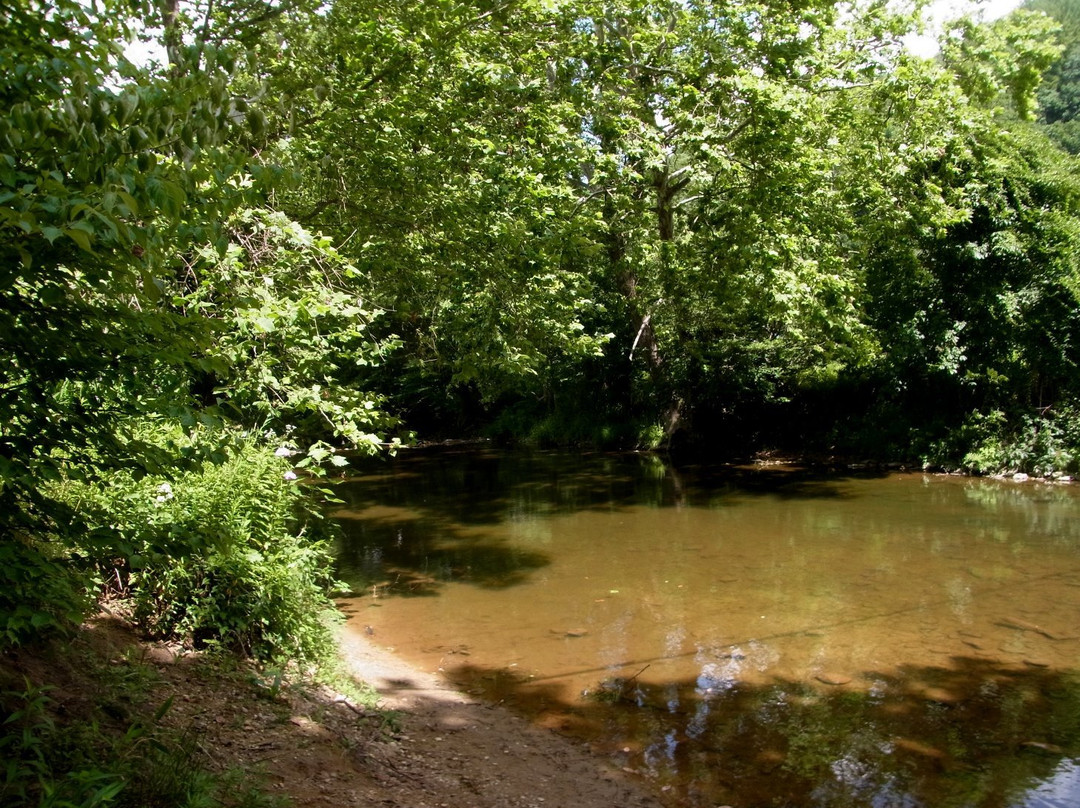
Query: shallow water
<point x="759" y="636"/>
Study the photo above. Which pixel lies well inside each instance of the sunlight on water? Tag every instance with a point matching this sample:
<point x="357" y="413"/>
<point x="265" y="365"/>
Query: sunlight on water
<point x="760" y="636"/>
<point x="1062" y="790"/>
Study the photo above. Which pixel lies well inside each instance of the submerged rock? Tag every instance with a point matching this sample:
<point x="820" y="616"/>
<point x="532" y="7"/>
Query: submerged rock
<point x="940" y="695"/>
<point x="1024" y="625"/>
<point x="830" y="678"/>
<point x="570" y="632"/>
<point x="1039" y="746"/>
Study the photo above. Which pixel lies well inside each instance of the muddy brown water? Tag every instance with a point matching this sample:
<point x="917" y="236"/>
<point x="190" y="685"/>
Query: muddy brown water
<point x="756" y="636"/>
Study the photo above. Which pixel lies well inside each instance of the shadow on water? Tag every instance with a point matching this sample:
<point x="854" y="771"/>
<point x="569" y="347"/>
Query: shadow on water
<point x="972" y="733"/>
<point x="416" y="556"/>
<point x="479" y="486"/>
<point x="415" y="522"/>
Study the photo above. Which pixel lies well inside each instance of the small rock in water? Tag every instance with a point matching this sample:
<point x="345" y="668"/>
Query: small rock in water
<point x="1043" y="747"/>
<point x="940" y="695"/>
<point x="830" y="678"/>
<point x="1024" y="625"/>
<point x="569" y="632"/>
<point x="920" y="748"/>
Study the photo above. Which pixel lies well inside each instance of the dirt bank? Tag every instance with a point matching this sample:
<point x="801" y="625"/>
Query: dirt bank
<point x="435" y="747"/>
<point x="454" y="751"/>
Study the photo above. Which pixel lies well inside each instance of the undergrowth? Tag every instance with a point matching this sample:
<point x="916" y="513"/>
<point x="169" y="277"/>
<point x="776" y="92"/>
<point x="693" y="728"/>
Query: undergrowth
<point x="86" y="721"/>
<point x="1042" y="444"/>
<point x="230" y="553"/>
<point x="79" y="764"/>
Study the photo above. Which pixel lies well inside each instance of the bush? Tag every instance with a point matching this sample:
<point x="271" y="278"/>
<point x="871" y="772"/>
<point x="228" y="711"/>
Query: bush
<point x="232" y="553"/>
<point x="1041" y="444"/>
<point x="40" y="591"/>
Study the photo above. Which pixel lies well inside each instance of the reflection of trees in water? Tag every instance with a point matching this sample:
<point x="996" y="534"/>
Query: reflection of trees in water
<point x="482" y="486"/>
<point x="447" y="496"/>
<point x="974" y="734"/>
<point x="477" y="487"/>
<point x="447" y="499"/>
<point x="1047" y="510"/>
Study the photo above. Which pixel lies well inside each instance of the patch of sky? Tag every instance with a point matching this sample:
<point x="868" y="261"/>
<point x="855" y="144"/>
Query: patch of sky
<point x="1061" y="790"/>
<point x="942" y="11"/>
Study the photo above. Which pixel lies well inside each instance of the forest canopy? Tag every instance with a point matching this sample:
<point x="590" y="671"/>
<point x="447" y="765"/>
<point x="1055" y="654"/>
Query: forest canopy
<point x="312" y="229"/>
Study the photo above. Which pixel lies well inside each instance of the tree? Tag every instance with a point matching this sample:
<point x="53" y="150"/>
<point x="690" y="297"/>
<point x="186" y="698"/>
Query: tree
<point x="291" y="334"/>
<point x="433" y="144"/>
<point x="715" y="131"/>
<point x="1059" y="93"/>
<point x="1008" y="55"/>
<point x="102" y="178"/>
<point x="968" y="249"/>
<point x="124" y="312"/>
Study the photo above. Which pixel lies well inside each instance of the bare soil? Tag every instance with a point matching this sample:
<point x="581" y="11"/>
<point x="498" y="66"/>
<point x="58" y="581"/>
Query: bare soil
<point x="427" y="746"/>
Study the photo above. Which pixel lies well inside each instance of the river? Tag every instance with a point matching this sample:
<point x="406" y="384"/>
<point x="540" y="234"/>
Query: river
<point x="750" y="636"/>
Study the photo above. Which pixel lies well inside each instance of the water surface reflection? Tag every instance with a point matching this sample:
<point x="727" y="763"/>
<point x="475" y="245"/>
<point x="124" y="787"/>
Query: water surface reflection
<point x="765" y="636"/>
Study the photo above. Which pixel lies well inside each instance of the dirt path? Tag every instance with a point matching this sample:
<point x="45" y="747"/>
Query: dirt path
<point x="454" y="751"/>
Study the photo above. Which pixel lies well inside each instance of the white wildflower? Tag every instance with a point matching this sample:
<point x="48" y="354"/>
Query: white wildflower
<point x="284" y="451"/>
<point x="289" y="475"/>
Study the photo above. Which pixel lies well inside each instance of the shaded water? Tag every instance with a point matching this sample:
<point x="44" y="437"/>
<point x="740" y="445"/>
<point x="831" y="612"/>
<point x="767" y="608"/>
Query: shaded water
<point x="752" y="637"/>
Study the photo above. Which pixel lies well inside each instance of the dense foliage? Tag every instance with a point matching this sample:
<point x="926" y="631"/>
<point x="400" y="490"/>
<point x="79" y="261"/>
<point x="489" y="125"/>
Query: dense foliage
<point x="724" y="224"/>
<point x="159" y="328"/>
<point x="303" y="226"/>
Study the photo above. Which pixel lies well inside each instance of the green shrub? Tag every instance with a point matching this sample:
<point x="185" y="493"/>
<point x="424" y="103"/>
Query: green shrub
<point x="40" y="591"/>
<point x="232" y="553"/>
<point x="1040" y="444"/>
<point x="246" y="569"/>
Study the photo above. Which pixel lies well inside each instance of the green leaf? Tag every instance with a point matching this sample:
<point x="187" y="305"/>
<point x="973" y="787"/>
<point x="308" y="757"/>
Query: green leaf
<point x="80" y="237"/>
